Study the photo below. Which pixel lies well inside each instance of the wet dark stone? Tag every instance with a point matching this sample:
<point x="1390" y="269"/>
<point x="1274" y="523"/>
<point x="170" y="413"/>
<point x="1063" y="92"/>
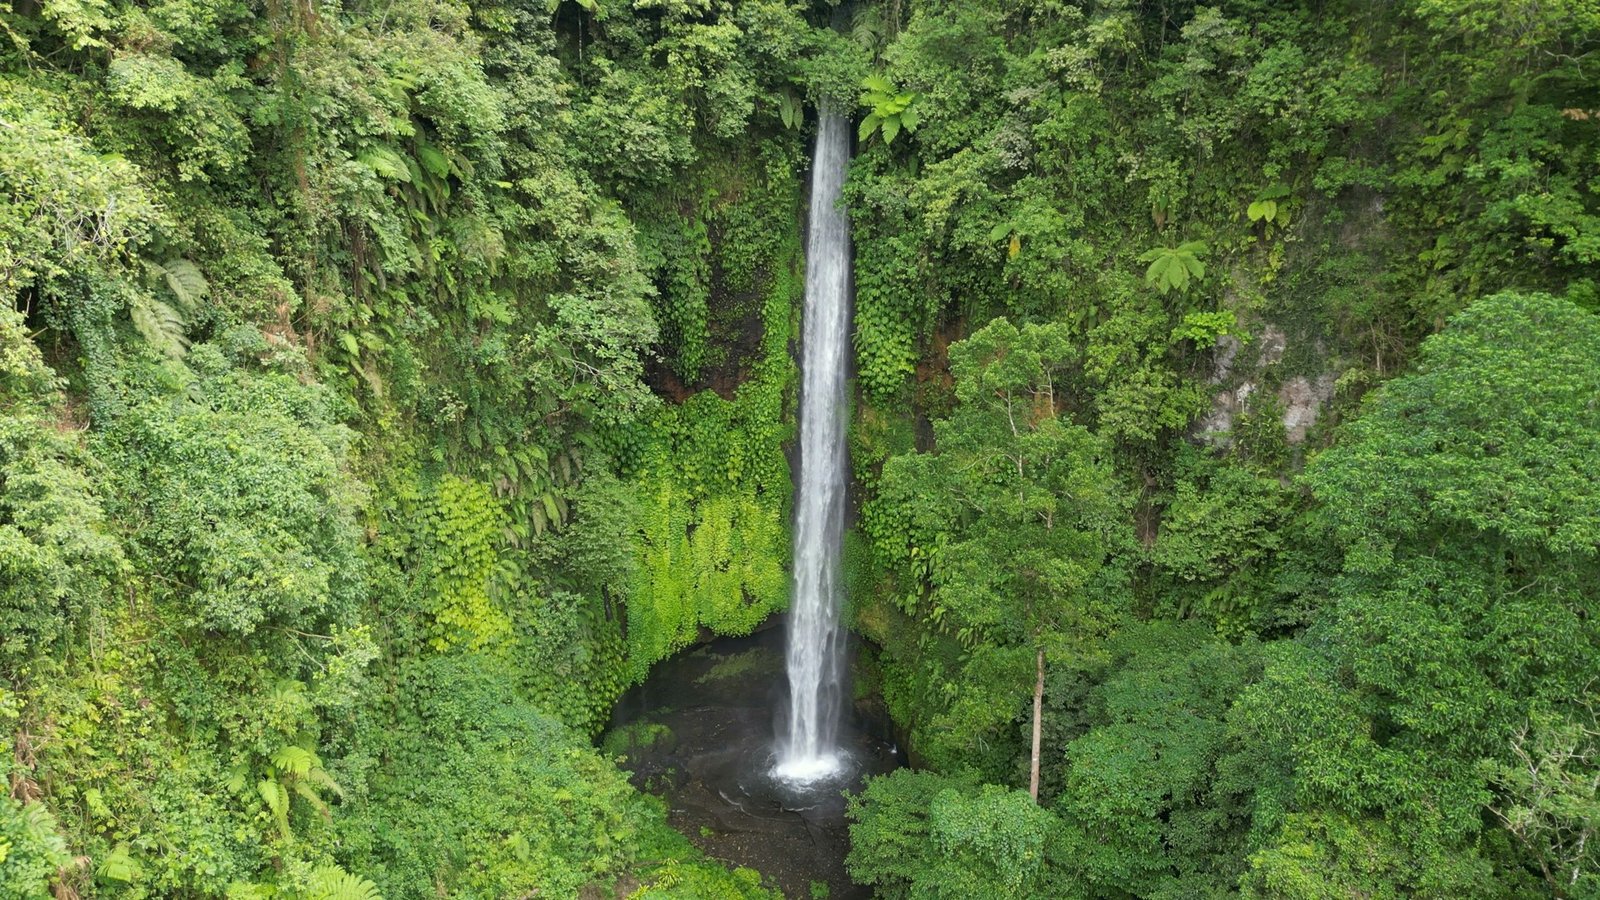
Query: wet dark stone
<point x="721" y="702"/>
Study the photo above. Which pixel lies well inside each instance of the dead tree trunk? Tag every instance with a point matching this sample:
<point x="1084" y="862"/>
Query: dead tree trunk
<point x="1038" y="715"/>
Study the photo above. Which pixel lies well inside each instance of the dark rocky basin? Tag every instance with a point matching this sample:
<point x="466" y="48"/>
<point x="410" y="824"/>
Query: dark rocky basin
<point x="700" y="734"/>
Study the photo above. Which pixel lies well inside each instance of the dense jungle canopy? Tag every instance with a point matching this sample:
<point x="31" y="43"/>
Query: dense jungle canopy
<point x="386" y="385"/>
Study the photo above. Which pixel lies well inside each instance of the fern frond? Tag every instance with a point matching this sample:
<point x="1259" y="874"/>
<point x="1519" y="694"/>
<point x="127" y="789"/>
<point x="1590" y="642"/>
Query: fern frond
<point x="277" y="800"/>
<point x="309" y="794"/>
<point x="186" y="282"/>
<point x="334" y="883"/>
<point x="118" y="866"/>
<point x="294" y="760"/>
<point x="39" y="826"/>
<point x="288" y="692"/>
<point x="245" y="890"/>
<point x="432" y="159"/>
<point x="237" y="778"/>
<point x="385" y="162"/>
<point x="159" y="324"/>
<point x="320" y="777"/>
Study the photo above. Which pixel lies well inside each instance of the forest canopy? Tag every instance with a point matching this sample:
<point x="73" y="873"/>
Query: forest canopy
<point x="386" y="387"/>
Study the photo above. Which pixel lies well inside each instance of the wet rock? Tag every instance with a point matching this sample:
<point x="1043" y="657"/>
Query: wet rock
<point x="720" y="704"/>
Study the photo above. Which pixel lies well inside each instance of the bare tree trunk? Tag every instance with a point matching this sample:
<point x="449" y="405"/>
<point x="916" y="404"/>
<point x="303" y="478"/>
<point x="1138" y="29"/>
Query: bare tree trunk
<point x="1038" y="713"/>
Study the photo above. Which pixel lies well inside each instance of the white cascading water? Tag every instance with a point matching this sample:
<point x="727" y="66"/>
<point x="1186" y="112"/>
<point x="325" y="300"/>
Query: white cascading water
<point x="810" y="750"/>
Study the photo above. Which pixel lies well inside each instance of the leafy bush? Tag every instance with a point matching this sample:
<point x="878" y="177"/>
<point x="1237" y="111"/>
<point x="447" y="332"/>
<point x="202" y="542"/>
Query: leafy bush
<point x="244" y="506"/>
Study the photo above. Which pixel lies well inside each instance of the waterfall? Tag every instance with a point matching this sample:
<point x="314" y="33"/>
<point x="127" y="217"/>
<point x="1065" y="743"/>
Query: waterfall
<point x="815" y="638"/>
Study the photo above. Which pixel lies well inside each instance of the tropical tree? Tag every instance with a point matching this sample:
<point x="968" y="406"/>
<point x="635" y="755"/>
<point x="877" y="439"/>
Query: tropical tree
<point x="1465" y="504"/>
<point x="1033" y="510"/>
<point x="918" y="834"/>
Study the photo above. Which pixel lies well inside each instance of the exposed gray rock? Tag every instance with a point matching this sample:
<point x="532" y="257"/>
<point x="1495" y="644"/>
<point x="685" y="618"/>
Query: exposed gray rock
<point x="1302" y="397"/>
<point x="1216" y="426"/>
<point x="1302" y="400"/>
<point x="1227" y="350"/>
<point x="1272" y="343"/>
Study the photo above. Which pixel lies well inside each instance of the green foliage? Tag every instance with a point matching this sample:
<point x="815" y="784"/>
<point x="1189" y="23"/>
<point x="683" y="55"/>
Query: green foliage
<point x="462" y="525"/>
<point x="1327" y="857"/>
<point x="920" y="835"/>
<point x="713" y="495"/>
<point x="1271" y="206"/>
<point x="790" y="112"/>
<point x="31" y="849"/>
<point x="1155" y="799"/>
<point x="1171" y="268"/>
<point x="164" y="324"/>
<point x="1205" y="327"/>
<point x="1222" y="527"/>
<point x="751" y="663"/>
<point x="886" y="318"/>
<point x="1464" y="604"/>
<point x="486" y="796"/>
<point x="63" y="203"/>
<point x="991" y="843"/>
<point x="1494" y="437"/>
<point x="332" y="477"/>
<point x="1002" y="538"/>
<point x="58" y="556"/>
<point x="289" y="772"/>
<point x="333" y="883"/>
<point x="634" y="737"/>
<point x="1036" y="514"/>
<point x="677" y="878"/>
<point x="719" y="562"/>
<point x="1550" y="804"/>
<point x="483" y="794"/>
<point x="685" y="291"/>
<point x="239" y="488"/>
<point x="1360" y="177"/>
<point x="891" y="835"/>
<point x="892" y="110"/>
<point x="343" y="305"/>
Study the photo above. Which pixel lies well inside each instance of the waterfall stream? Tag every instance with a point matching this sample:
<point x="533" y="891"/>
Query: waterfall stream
<point x="699" y="731"/>
<point x="816" y="672"/>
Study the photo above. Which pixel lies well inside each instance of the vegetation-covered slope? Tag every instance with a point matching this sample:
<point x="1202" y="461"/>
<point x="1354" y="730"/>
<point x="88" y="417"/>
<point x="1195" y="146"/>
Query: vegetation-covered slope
<point x="335" y="507"/>
<point x="385" y="386"/>
<point x="1179" y="250"/>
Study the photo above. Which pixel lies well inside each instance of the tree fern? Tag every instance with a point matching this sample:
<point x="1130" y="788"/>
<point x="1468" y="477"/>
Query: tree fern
<point x="118" y="865"/>
<point x="893" y="110"/>
<point x="164" y="322"/>
<point x="385" y="162"/>
<point x="866" y="29"/>
<point x="160" y="324"/>
<point x="300" y="771"/>
<point x="185" y="281"/>
<point x="325" y="882"/>
<point x="294" y="760"/>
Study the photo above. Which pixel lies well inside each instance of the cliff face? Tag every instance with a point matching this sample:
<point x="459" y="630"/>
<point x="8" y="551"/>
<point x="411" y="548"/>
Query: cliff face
<point x="1302" y="399"/>
<point x="327" y="347"/>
